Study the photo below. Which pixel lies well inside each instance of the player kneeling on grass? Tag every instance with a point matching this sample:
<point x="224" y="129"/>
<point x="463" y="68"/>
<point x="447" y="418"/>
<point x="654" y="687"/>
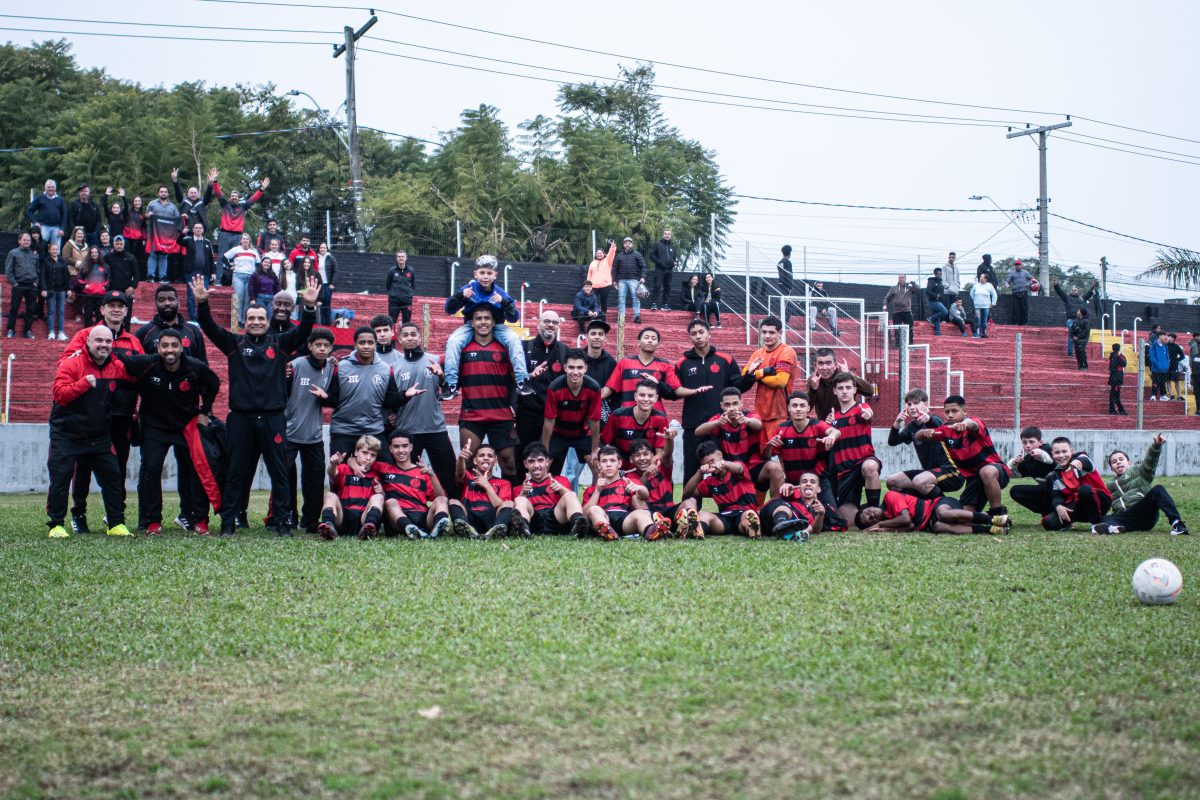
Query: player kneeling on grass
<point x="546" y="504"/>
<point x="798" y="511"/>
<point x="486" y="502"/>
<point x="354" y="502"/>
<point x="414" y="499"/>
<point x="616" y="503"/>
<point x="648" y="467"/>
<point x="730" y="488"/>
<point x="1136" y="502"/>
<point x="907" y="512"/>
<point x="971" y="449"/>
<point x="1077" y="492"/>
<point x="740" y="435"/>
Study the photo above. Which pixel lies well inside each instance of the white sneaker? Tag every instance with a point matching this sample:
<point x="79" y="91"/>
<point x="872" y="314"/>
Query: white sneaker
<point x="50" y="336"/>
<point x="62" y="337"/>
<point x="1152" y="397"/>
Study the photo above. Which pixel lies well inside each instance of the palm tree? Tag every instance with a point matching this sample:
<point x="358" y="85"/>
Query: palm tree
<point x="1179" y="266"/>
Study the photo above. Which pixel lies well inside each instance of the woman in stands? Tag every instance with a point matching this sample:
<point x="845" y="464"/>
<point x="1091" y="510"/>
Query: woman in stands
<point x="327" y="266"/>
<point x="691" y="297"/>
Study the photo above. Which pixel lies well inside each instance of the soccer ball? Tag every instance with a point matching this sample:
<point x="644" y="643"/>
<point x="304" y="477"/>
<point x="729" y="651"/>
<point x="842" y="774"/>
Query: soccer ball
<point x="1157" y="582"/>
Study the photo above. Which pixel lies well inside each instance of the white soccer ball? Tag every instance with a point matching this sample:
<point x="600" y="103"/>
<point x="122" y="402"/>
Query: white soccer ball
<point x="1157" y="582"/>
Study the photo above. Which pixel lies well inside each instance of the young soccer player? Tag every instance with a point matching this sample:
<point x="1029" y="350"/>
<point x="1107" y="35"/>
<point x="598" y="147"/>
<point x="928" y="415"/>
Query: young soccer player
<point x="415" y="501"/>
<point x="730" y="488"/>
<point x="802" y="444"/>
<point x="1136" y="501"/>
<point x="483" y="292"/>
<point x="740" y="437"/>
<point x="1033" y="461"/>
<point x="486" y="382"/>
<point x="1077" y="492"/>
<point x="616" y="503"/>
<point x="937" y="474"/>
<point x="354" y="502"/>
<point x="852" y="457"/>
<point x="486" y="502"/>
<point x="572" y="414"/>
<point x="631" y="371"/>
<point x="970" y="447"/>
<point x="773" y="367"/>
<point x="545" y="503"/>
<point x="640" y="421"/>
<point x="797" y="513"/>
<point x="655" y="474"/>
<point x="902" y="511"/>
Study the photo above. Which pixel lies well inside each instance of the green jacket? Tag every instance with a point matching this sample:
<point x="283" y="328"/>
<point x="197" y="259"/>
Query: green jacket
<point x="1131" y="487"/>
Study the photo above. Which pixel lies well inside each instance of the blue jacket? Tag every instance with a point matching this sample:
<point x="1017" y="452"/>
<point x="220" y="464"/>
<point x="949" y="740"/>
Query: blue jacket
<point x="48" y="211"/>
<point x="1157" y="356"/>
<point x="507" y="310"/>
<point x="584" y="303"/>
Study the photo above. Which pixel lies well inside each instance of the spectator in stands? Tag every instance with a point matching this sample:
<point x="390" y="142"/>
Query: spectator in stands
<point x="307" y="268"/>
<point x="401" y="286"/>
<point x="586" y="306"/>
<point x="1194" y="363"/>
<point x="233" y="217"/>
<point x="663" y="258"/>
<point x="823" y="308"/>
<point x="135" y="233"/>
<point x="274" y="254"/>
<point x="192" y="206"/>
<point x="784" y="268"/>
<point x="244" y="260"/>
<point x="22" y="269"/>
<point x="327" y="267"/>
<point x="1116" y="379"/>
<point x="1020" y="282"/>
<point x="983" y="297"/>
<point x="49" y="213"/>
<point x="163" y="225"/>
<point x="91" y="284"/>
<point x="54" y="282"/>
<point x="114" y="212"/>
<point x="629" y="272"/>
<point x="1159" y="361"/>
<point x="272" y="231"/>
<point x="600" y="274"/>
<point x="105" y="243"/>
<point x="122" y="273"/>
<point x="951" y="277"/>
<point x="710" y="300"/>
<point x="935" y="289"/>
<point x="956" y="315"/>
<point x="264" y="283"/>
<point x="691" y="296"/>
<point x="1176" y="360"/>
<point x="898" y="303"/>
<point x="36" y="242"/>
<point x="289" y="278"/>
<point x="1072" y="303"/>
<point x="985" y="268"/>
<point x="302" y="250"/>
<point x="84" y="213"/>
<point x="199" y="260"/>
<point x="1081" y="332"/>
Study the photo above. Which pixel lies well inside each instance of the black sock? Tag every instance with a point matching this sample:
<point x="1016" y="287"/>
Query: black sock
<point x="980" y="518"/>
<point x="873" y="496"/>
<point x="374" y="515"/>
<point x="327" y="516"/>
<point x="981" y="529"/>
<point x="936" y="491"/>
<point x="503" y="516"/>
<point x="574" y="517"/>
<point x="438" y="517"/>
<point x="996" y="511"/>
<point x="458" y="513"/>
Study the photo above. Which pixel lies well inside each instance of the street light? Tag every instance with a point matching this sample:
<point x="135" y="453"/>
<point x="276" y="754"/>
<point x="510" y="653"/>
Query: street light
<point x="1010" y="218"/>
<point x="359" y="239"/>
<point x="334" y="125"/>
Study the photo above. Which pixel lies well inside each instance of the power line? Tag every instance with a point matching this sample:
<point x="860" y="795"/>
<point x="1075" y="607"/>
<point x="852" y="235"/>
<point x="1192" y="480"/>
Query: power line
<point x="173" y="25"/>
<point x="1128" y="144"/>
<point x="878" y="208"/>
<point x="1130" y="152"/>
<point x="1137" y="130"/>
<point x="257" y="40"/>
<point x="1117" y="233"/>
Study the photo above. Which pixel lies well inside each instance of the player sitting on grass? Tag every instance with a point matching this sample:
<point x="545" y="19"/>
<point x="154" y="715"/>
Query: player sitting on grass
<point x="797" y="513"/>
<point x="415" y="501"/>
<point x="1136" y="501"/>
<point x="852" y="457"/>
<point x="730" y="488"/>
<point x="937" y="474"/>
<point x="655" y="474"/>
<point x="740" y="435"/>
<point x="906" y="512"/>
<point x="354" y="502"/>
<point x="616" y="503"/>
<point x="802" y="444"/>
<point x="1077" y="492"/>
<point x="486" y="503"/>
<point x="546" y="504"/>
<point x="1033" y="461"/>
<point x="970" y="447"/>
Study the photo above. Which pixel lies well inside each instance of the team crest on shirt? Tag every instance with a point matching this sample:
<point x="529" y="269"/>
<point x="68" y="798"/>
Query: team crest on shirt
<point x="270" y="352"/>
<point x="184" y="385"/>
<point x="351" y="379"/>
<point x="187" y="342"/>
<point x="377" y="379"/>
<point x="693" y="370"/>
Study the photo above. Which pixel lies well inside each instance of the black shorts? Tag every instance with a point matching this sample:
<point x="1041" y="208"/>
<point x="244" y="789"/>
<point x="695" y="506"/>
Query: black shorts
<point x="947" y="477"/>
<point x="756" y="471"/>
<point x="974" y="495"/>
<point x="731" y="521"/>
<point x="351" y="523"/>
<point x="500" y="435"/>
<point x="411" y="517"/>
<point x="545" y="523"/>
<point x="850" y="488"/>
<point x="666" y="511"/>
<point x="616" y="520"/>
<point x="948" y="502"/>
<point x="559" y="445"/>
<point x="481" y="519"/>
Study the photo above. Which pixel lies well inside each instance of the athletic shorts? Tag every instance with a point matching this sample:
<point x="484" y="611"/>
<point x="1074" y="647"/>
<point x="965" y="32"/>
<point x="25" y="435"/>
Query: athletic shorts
<point x="351" y="523"/>
<point x="756" y="471"/>
<point x="947" y="477"/>
<point x="482" y="520"/>
<point x="545" y="523"/>
<point x="616" y="520"/>
<point x="974" y="495"/>
<point x="411" y="517"/>
<point x="1174" y="376"/>
<point x="500" y="435"/>
<point x="850" y="488"/>
<point x="948" y="502"/>
<point x="768" y="511"/>
<point x="666" y="511"/>
<point x="731" y="520"/>
<point x="559" y="445"/>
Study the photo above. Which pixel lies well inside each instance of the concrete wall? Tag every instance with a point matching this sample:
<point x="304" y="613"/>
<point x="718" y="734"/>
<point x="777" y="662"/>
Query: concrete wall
<point x="23" y="449"/>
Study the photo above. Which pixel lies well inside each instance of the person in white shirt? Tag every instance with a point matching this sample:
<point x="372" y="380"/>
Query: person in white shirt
<point x="244" y="259"/>
<point x="983" y="297"/>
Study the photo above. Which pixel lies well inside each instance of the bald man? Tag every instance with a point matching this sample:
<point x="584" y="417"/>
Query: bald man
<point x="545" y="358"/>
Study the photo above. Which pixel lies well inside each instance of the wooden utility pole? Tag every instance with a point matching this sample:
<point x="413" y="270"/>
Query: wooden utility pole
<point x="1043" y="200"/>
<point x="356" y="184"/>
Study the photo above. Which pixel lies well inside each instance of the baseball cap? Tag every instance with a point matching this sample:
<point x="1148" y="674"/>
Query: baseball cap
<point x="599" y="323"/>
<point x="629" y="239"/>
<point x="115" y="297"/>
<point x="1018" y="263"/>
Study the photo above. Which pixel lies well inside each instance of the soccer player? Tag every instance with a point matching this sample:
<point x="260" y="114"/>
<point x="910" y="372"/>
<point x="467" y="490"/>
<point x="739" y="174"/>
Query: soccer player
<point x="545" y="358"/>
<point x="616" y="503"/>
<point x="773" y="367"/>
<point x="365" y="387"/>
<point x="1077" y="492"/>
<point x="487" y="375"/>
<point x="802" y="445"/>
<point x="937" y="474"/>
<point x="852" y="457"/>
<point x="727" y="484"/>
<point x="483" y="292"/>
<point x="740" y="437"/>
<point x="414" y="501"/>
<point x="600" y="363"/>
<point x="167" y="317"/>
<point x="545" y="504"/>
<point x="1136" y="501"/>
<point x="632" y="370"/>
<point x="972" y="451"/>
<point x="798" y="513"/>
<point x="703" y="366"/>
<point x="385" y="340"/>
<point x="902" y="511"/>
<point x="354" y="502"/>
<point x="310" y="378"/>
<point x="572" y="415"/>
<point x="820" y="382"/>
<point x="422" y="415"/>
<point x="655" y="474"/>
<point x="639" y="421"/>
<point x="486" y="502"/>
<point x="1033" y="461"/>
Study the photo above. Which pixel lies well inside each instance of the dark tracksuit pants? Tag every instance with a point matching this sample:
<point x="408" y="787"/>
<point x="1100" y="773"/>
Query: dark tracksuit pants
<point x="83" y="473"/>
<point x="1143" y="515"/>
<point x="1089" y="508"/>
<point x="690" y="442"/>
<point x="65" y="456"/>
<point x="441" y="458"/>
<point x="22" y="294"/>
<point x="402" y="308"/>
<point x="252" y="435"/>
<point x="1020" y="308"/>
<point x="312" y="479"/>
<point x="529" y="430"/>
<point x="1035" y="497"/>
<point x="193" y="504"/>
<point x="662" y="285"/>
<point x="902" y="318"/>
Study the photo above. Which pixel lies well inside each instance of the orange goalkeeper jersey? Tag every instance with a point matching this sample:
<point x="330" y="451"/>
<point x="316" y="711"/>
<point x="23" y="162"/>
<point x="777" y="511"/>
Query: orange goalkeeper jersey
<point x="770" y="400"/>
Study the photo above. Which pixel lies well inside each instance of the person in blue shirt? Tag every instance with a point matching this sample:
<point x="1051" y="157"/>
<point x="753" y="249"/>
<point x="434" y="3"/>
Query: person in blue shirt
<point x="1159" y="361"/>
<point x="480" y="292"/>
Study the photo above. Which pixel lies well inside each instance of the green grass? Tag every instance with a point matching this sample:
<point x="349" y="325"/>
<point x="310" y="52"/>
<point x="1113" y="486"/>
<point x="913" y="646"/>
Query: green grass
<point x="856" y="665"/>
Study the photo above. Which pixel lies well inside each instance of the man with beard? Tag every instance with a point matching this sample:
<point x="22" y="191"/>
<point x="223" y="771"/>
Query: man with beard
<point x="545" y="358"/>
<point x="168" y="318"/>
<point x="194" y="208"/>
<point x="820" y="382"/>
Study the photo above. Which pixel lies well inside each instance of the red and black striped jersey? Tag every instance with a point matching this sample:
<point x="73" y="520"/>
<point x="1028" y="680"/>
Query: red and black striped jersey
<point x="476" y="499"/>
<point x="854" y="446"/>
<point x="615" y="496"/>
<point x="354" y="491"/>
<point x="970" y="449"/>
<point x="920" y="509"/>
<point x="800" y="506"/>
<point x="485" y="377"/>
<point x="622" y="429"/>
<point x="801" y="452"/>
<point x="731" y="493"/>
<point x="411" y="487"/>
<point x="660" y="487"/>
<point x="738" y="442"/>
<point x="541" y="497"/>
<point x="572" y="412"/>
<point x="630" y="371"/>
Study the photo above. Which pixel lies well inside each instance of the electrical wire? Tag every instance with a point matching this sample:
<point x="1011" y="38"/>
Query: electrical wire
<point x="1117" y="233"/>
<point x="1130" y="152"/>
<point x="256" y="40"/>
<point x="172" y="25"/>
<point x="878" y="208"/>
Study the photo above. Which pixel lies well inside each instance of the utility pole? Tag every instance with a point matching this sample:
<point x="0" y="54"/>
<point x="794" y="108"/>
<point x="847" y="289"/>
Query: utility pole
<point x="1104" y="277"/>
<point x="1043" y="200"/>
<point x="356" y="184"/>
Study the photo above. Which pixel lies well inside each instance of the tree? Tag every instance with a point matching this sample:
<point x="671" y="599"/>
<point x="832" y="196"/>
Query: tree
<point x="1179" y="266"/>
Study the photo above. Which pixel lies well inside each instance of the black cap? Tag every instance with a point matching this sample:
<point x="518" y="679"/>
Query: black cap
<point x="599" y="323"/>
<point x="115" y="296"/>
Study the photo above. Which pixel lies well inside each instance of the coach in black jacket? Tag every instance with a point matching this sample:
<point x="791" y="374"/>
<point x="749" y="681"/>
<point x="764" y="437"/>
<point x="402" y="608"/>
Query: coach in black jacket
<point x="257" y="397"/>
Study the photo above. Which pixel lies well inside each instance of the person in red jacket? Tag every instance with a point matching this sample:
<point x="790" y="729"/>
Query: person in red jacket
<point x="233" y="218"/>
<point x="84" y="391"/>
<point x="1077" y="492"/>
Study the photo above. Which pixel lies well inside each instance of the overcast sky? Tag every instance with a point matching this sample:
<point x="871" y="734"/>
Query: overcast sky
<point x="1107" y="61"/>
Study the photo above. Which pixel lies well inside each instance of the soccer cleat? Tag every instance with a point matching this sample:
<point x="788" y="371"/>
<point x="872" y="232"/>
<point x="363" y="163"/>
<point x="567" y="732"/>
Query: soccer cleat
<point x="283" y="531"/>
<point x="463" y="528"/>
<point x="605" y="532"/>
<point x="1104" y="529"/>
<point x="226" y="530"/>
<point x="367" y="531"/>
<point x="242" y="520"/>
<point x="182" y="522"/>
<point x="154" y="529"/>
<point x="496" y="532"/>
<point x="448" y="392"/>
<point x="440" y="528"/>
<point x="754" y="525"/>
<point x="324" y="530"/>
<point x="119" y="530"/>
<point x="689" y="525"/>
<point x="59" y="532"/>
<point x="1000" y="525"/>
<point x="1179" y="528"/>
<point x="413" y="532"/>
<point x="789" y="527"/>
<point x="662" y="527"/>
<point x="79" y="524"/>
<point x="524" y="389"/>
<point x="200" y="528"/>
<point x="523" y="529"/>
<point x="579" y="528"/>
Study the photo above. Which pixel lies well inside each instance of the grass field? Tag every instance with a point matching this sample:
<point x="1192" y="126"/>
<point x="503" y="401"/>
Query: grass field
<point x="855" y="665"/>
